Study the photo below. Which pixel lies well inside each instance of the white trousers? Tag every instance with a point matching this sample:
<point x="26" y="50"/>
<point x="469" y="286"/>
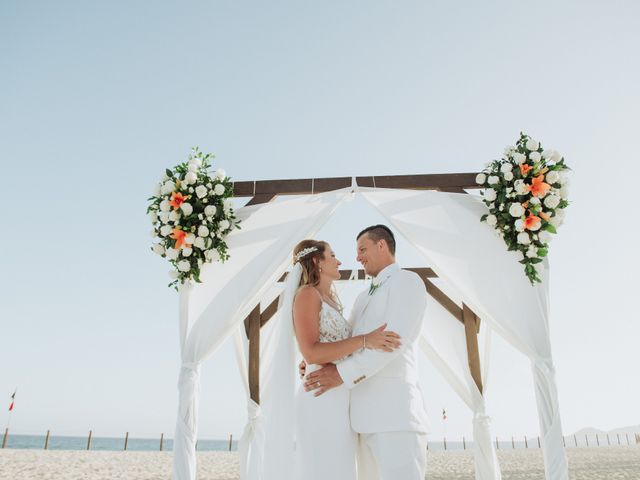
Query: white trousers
<point x="392" y="456"/>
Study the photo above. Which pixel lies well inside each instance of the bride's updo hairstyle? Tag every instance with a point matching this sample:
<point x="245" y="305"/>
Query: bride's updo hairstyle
<point x="307" y="253"/>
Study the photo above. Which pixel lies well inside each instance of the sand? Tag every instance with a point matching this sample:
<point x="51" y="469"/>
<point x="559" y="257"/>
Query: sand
<point x="604" y="463"/>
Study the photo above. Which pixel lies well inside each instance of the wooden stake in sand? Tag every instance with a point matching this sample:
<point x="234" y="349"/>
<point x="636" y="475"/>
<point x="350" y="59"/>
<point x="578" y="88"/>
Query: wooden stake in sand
<point x="89" y="441"/>
<point x="46" y="441"/>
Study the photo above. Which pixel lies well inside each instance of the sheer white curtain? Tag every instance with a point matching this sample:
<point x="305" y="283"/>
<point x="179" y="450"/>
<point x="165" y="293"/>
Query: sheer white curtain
<point x="464" y="252"/>
<point x="210" y="311"/>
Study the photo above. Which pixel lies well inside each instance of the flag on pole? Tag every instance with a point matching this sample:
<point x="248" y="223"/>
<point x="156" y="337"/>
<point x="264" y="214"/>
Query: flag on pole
<point x="13" y="400"/>
<point x="444" y="414"/>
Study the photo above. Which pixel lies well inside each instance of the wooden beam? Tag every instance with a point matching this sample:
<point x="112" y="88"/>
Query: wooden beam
<point x="261" y="198"/>
<point x="473" y="352"/>
<point x="269" y="312"/>
<point x="303" y="186"/>
<point x="253" y="321"/>
<point x="444" y="300"/>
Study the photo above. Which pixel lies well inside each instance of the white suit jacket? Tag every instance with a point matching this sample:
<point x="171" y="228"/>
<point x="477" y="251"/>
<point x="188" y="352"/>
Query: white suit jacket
<point x="385" y="395"/>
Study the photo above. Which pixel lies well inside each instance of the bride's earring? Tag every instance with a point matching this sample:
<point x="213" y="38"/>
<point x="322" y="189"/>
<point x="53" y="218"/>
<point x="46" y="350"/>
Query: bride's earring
<point x="320" y="269"/>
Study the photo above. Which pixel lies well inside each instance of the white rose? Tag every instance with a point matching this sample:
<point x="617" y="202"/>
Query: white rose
<point x="190" y="238"/>
<point x="157" y="191"/>
<point x="532" y="252"/>
<point x="165" y="230"/>
<point x="490" y="194"/>
<point x="220" y="174"/>
<point x="210" y="210"/>
<point x="184" y="265"/>
<point x="519" y="158"/>
<point x="535" y="156"/>
<point x="172" y="253"/>
<point x="199" y="243"/>
<point x="224" y="224"/>
<point x="492" y="220"/>
<point x="153" y="216"/>
<point x="519" y="224"/>
<point x="481" y="178"/>
<point x="545" y="237"/>
<point x="190" y="178"/>
<point x="203" y="231"/>
<point x="521" y="187"/>
<point x="493" y="179"/>
<point x="173" y="274"/>
<point x="164" y="217"/>
<point x="196" y="161"/>
<point x="506" y="167"/>
<point x="560" y="213"/>
<point x="168" y="187"/>
<point x="564" y="191"/>
<point x="227" y="204"/>
<point x="551" y="201"/>
<point x="201" y="191"/>
<point x="556" y="221"/>
<point x="547" y="154"/>
<point x="192" y="167"/>
<point x="212" y="255"/>
<point x="532" y="145"/>
<point x="157" y="248"/>
<point x="501" y="207"/>
<point x="555" y="156"/>
<point x="523" y="238"/>
<point x="187" y="209"/>
<point x="186" y="252"/>
<point x="164" y="206"/>
<point x="508" y="176"/>
<point x="516" y="210"/>
<point x="552" y="177"/>
<point x="519" y="255"/>
<point x="534" y="201"/>
<point x="218" y="189"/>
<point x="508" y="150"/>
<point x="174" y="216"/>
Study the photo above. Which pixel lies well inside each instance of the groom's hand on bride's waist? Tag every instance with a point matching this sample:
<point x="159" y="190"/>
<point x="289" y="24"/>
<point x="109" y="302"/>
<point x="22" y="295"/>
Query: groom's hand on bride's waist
<point x="322" y="380"/>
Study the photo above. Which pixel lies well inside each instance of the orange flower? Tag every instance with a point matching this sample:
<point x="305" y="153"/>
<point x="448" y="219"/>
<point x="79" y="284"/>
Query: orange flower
<point x="177" y="199"/>
<point x="538" y="187"/>
<point x="524" y="169"/>
<point x="532" y="222"/>
<point x="179" y="236"/>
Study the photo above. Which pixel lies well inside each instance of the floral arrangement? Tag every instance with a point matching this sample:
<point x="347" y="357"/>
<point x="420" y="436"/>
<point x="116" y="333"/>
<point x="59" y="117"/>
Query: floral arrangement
<point x="192" y="213"/>
<point x="526" y="192"/>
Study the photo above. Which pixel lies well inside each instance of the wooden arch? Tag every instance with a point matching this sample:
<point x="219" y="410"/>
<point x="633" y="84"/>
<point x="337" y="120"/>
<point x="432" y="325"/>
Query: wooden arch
<point x="263" y="191"/>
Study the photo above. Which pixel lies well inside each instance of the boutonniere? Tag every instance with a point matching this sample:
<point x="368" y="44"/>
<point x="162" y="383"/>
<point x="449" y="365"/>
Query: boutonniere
<point x="374" y="286"/>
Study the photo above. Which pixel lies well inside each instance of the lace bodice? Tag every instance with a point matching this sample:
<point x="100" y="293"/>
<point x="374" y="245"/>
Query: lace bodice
<point x="333" y="326"/>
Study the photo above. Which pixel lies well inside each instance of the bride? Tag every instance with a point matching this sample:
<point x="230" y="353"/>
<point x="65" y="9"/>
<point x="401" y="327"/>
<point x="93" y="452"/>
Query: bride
<point x="325" y="442"/>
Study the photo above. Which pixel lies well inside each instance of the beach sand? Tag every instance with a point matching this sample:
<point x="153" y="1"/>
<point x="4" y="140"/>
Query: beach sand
<point x="604" y="463"/>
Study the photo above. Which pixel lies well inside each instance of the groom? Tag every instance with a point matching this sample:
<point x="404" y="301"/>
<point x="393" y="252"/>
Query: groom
<point x="386" y="403"/>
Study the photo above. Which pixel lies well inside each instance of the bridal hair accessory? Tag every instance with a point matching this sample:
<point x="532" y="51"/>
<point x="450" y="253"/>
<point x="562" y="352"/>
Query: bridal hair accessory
<point x="305" y="252"/>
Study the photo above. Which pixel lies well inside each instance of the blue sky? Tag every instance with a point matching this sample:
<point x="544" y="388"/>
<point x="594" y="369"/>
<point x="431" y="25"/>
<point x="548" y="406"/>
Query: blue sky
<point x="97" y="99"/>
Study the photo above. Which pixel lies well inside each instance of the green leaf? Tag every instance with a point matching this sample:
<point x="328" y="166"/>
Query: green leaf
<point x="169" y="173"/>
<point x="550" y="228"/>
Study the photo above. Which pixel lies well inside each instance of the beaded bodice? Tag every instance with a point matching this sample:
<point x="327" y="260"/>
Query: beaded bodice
<point x="333" y="326"/>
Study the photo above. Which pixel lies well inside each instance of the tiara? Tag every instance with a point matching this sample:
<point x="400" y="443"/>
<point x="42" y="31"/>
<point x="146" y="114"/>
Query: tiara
<point x="305" y="252"/>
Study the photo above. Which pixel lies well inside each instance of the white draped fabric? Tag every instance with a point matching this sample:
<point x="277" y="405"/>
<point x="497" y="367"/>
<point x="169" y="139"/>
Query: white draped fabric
<point x="464" y="252"/>
<point x="209" y="311"/>
<point x="466" y="255"/>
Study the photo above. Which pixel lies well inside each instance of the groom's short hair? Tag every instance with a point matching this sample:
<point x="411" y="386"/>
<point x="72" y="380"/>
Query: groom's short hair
<point x="380" y="232"/>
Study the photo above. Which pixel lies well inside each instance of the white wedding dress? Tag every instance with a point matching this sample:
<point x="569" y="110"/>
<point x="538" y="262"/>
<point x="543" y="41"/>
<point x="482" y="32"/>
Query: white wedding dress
<point x="325" y="442"/>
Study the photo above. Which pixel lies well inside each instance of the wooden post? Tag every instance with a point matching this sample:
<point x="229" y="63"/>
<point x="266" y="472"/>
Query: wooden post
<point x="4" y="439"/>
<point x="89" y="441"/>
<point x="464" y="443"/>
<point x="513" y="444"/>
<point x="564" y="443"/>
<point x="126" y="440"/>
<point x="253" y="333"/>
<point x="196" y="448"/>
<point x="526" y="444"/>
<point x="230" y="441"/>
<point x="46" y="441"/>
<point x="586" y="440"/>
<point x="575" y="439"/>
<point x="608" y="440"/>
<point x="497" y="444"/>
<point x="597" y="440"/>
<point x="618" y="435"/>
<point x="471" y="327"/>
<point x="538" y="441"/>
<point x="161" y="440"/>
<point x="445" y="443"/>
<point x="627" y="438"/>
